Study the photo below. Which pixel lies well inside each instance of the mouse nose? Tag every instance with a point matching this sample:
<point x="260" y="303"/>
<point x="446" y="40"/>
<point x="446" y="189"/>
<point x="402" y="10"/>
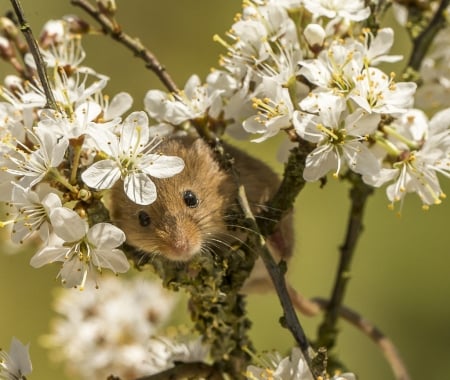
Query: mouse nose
<point x="183" y="243"/>
<point x="182" y="249"/>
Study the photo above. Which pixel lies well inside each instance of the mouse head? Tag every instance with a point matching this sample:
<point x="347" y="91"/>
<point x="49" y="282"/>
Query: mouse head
<point x="188" y="214"/>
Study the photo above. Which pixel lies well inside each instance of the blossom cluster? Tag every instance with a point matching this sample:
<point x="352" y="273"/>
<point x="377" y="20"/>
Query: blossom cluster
<point x="54" y="160"/>
<point x="118" y="329"/>
<point x="310" y="68"/>
<point x="293" y="367"/>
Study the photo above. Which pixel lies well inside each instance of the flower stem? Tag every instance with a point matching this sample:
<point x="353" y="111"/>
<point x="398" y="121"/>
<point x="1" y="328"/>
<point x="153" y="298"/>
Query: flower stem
<point x="76" y="144"/>
<point x="53" y="173"/>
<point x="327" y="333"/>
<point x="34" y="49"/>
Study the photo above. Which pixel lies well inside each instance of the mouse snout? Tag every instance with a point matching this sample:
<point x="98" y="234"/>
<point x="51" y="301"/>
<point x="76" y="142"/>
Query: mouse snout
<point x="184" y="241"/>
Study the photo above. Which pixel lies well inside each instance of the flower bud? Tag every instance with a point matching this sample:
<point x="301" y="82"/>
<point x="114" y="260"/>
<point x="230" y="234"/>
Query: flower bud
<point x="6" y="50"/>
<point x="13" y="82"/>
<point x="8" y="28"/>
<point x="76" y="24"/>
<point x="107" y="7"/>
<point x="52" y="33"/>
<point x="314" y="35"/>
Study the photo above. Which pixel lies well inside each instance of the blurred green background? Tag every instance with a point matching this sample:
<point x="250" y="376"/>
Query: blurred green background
<point x="401" y="272"/>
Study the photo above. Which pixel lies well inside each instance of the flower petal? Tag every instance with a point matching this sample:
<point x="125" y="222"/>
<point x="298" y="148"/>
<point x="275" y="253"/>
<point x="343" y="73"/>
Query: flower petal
<point x="134" y="133"/>
<point x="67" y="224"/>
<point x="114" y="260"/>
<point x="48" y="255"/>
<point x="105" y="236"/>
<point x="162" y="166"/>
<point x="101" y="174"/>
<point x="139" y="188"/>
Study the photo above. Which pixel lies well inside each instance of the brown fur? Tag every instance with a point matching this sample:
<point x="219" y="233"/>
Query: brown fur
<point x="179" y="232"/>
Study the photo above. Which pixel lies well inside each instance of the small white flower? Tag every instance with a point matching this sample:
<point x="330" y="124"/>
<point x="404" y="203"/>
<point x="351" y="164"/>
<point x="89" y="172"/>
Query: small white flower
<point x="339" y="137"/>
<point x="32" y="212"/>
<point x="33" y="165"/>
<point x="82" y="250"/>
<point x="354" y="10"/>
<point x="79" y="123"/>
<point x="293" y="367"/>
<point x="376" y="47"/>
<point x="336" y="68"/>
<point x="375" y="91"/>
<point x="16" y="364"/>
<point x="274" y="111"/>
<point x="131" y="159"/>
<point x="423" y="152"/>
<point x="164" y="352"/>
<point x="193" y="102"/>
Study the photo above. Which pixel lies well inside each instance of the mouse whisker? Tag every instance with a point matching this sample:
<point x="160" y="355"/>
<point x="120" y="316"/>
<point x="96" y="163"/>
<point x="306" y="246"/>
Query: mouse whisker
<point x="229" y="245"/>
<point x="258" y="217"/>
<point x="257" y="204"/>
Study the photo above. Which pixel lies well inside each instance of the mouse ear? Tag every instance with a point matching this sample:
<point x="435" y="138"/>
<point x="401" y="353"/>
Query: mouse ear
<point x="201" y="147"/>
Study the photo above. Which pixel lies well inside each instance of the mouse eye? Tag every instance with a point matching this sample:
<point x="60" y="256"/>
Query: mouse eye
<point x="144" y="218"/>
<point x="190" y="199"/>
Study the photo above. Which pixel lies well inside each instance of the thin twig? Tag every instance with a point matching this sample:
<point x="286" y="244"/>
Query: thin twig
<point x="276" y="272"/>
<point x="182" y="371"/>
<point x="359" y="195"/>
<point x="110" y="28"/>
<point x="422" y="43"/>
<point x="34" y="49"/>
<point x="373" y="332"/>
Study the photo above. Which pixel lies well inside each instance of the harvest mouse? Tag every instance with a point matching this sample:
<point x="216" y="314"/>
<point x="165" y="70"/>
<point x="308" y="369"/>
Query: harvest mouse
<point x="193" y="208"/>
<point x="192" y="213"/>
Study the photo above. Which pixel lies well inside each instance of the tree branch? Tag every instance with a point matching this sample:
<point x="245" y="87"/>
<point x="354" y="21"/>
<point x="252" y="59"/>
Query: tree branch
<point x="276" y="273"/>
<point x="183" y="371"/>
<point x="34" y="49"/>
<point x="359" y="194"/>
<point x="422" y="42"/>
<point x="112" y="29"/>
<point x="289" y="189"/>
<point x="375" y="334"/>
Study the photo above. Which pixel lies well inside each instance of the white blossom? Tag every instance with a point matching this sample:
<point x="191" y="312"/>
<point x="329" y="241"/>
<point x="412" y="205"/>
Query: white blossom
<point x="423" y="151"/>
<point x="274" y="112"/>
<point x="293" y="367"/>
<point x="82" y="250"/>
<point x="33" y="165"/>
<point x="109" y="330"/>
<point x="33" y="209"/>
<point x="132" y="158"/>
<point x="15" y="364"/>
<point x="375" y="91"/>
<point x="354" y="10"/>
<point x="193" y="102"/>
<point x="339" y="136"/>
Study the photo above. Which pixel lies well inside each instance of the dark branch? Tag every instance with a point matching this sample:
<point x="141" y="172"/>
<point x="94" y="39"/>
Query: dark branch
<point x="276" y="272"/>
<point x="359" y="195"/>
<point x="183" y="371"/>
<point x="422" y="43"/>
<point x="34" y="49"/>
<point x="375" y="334"/>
